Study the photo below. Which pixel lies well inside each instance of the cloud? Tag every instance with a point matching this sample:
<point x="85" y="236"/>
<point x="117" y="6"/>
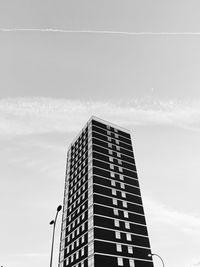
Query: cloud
<point x="33" y="255"/>
<point x="21" y="116"/>
<point x="110" y="32"/>
<point x="159" y="214"/>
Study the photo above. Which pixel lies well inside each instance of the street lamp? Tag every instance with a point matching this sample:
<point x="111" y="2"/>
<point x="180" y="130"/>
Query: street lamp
<point x="153" y="254"/>
<point x="54" y="226"/>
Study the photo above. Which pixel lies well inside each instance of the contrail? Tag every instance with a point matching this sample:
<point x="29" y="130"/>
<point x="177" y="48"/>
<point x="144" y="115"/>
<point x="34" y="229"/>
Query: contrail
<point x="109" y="32"/>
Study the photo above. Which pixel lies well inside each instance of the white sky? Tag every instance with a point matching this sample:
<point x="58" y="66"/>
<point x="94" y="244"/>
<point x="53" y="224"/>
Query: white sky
<point x="51" y="83"/>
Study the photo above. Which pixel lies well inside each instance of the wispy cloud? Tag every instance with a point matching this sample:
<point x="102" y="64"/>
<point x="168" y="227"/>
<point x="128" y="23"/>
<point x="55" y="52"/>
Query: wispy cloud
<point x="33" y="254"/>
<point x="42" y="115"/>
<point x="172" y="233"/>
<point x="109" y="32"/>
<point x="197" y="264"/>
<point x="188" y="224"/>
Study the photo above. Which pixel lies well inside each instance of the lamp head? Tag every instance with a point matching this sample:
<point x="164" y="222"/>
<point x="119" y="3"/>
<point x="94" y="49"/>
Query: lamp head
<point x="52" y="222"/>
<point x="59" y="208"/>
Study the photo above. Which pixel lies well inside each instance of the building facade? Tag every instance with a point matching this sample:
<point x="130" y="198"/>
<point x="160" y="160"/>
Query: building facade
<point x="103" y="223"/>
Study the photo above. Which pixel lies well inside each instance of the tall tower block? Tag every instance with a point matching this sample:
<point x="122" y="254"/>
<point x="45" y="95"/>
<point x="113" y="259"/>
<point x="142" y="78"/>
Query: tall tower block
<point x="103" y="223"/>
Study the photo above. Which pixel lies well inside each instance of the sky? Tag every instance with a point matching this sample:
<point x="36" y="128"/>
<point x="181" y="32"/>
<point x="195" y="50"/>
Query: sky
<point x="133" y="63"/>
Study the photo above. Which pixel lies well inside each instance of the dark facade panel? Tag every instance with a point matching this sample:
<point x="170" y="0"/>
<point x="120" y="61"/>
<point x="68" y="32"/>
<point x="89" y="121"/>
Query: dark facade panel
<point x="106" y="261"/>
<point x="109" y="223"/>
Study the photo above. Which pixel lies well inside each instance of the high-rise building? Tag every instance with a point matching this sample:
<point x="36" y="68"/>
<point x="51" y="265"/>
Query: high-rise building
<point x="103" y="223"/>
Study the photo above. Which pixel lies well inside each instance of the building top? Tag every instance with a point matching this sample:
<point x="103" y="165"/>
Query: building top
<point x="102" y="121"/>
<point x="109" y="123"/>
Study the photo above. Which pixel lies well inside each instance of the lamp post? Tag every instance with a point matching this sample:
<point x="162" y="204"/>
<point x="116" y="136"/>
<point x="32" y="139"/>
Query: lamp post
<point x="54" y="226"/>
<point x="153" y="254"/>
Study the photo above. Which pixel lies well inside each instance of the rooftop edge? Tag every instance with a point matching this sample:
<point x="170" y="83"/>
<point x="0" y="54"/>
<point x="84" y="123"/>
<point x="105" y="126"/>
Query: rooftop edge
<point x="102" y="121"/>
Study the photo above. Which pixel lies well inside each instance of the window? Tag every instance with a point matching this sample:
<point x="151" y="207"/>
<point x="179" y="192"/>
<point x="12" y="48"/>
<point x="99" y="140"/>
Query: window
<point x="128" y="237"/>
<point x="120" y="261"/>
<point x="77" y="254"/>
<point x="118" y="148"/>
<point x="118" y="155"/>
<point x="111" y="166"/>
<point x="131" y="263"/>
<point x="127" y="225"/>
<point x="82" y="239"/>
<point x="125" y="214"/>
<point x="121" y="177"/>
<point x="114" y="192"/>
<point x="109" y="139"/>
<point x="119" y="162"/>
<point x="114" y="201"/>
<point x="117" y="142"/>
<point x="111" y="159"/>
<point x="130" y="249"/>
<point x="77" y="242"/>
<point x="113" y="183"/>
<point x="120" y="169"/>
<point x="119" y="248"/>
<point x="112" y="174"/>
<point x="117" y="235"/>
<point x="82" y="251"/>
<point x="73" y="234"/>
<point x="116" y="223"/>
<point x="124" y="203"/>
<point x="116" y="212"/>
<point x="108" y="133"/>
<point x="78" y="231"/>
<point x="110" y="152"/>
<point x="123" y="194"/>
<point x="122" y="185"/>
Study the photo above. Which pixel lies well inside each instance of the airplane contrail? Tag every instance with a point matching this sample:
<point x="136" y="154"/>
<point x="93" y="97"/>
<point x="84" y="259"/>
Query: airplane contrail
<point x="94" y="31"/>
